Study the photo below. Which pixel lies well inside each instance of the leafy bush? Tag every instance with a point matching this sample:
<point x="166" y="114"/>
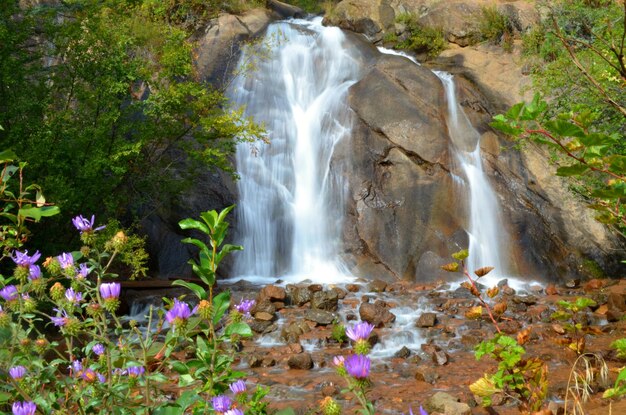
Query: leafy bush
<point x="421" y="39"/>
<point x="495" y="27"/>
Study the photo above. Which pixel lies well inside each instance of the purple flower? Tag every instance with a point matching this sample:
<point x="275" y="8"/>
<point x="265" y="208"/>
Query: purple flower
<point x="101" y="377"/>
<point x="66" y="260"/>
<point x="339" y="361"/>
<point x="76" y="366"/>
<point x="34" y="272"/>
<point x="110" y="290"/>
<point x="9" y="293"/>
<point x="245" y="306"/>
<point x="358" y="366"/>
<point x="98" y="349"/>
<point x="72" y="296"/>
<point x="83" y="270"/>
<point x="360" y="331"/>
<point x="179" y="312"/>
<point x="17" y="372"/>
<point x="61" y="320"/>
<point x="238" y="387"/>
<point x="234" y="411"/>
<point x="422" y="411"/>
<point x="23" y="260"/>
<point x="85" y="225"/>
<point x="135" y="371"/>
<point x="221" y="403"/>
<point x="24" y="408"/>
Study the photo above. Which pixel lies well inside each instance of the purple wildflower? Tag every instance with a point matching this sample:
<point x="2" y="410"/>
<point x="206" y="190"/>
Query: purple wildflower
<point x="61" y="320"/>
<point x="245" y="306"/>
<point x="83" y="270"/>
<point x="66" y="260"/>
<point x="234" y="411"/>
<point x="238" y="387"/>
<point x="221" y="403"/>
<point x="358" y="366"/>
<point x="423" y="411"/>
<point x="101" y="377"/>
<point x="17" y="372"/>
<point x="76" y="366"/>
<point x="72" y="296"/>
<point x="179" y="313"/>
<point x="110" y="290"/>
<point x="360" y="331"/>
<point x="339" y="361"/>
<point x="98" y="349"/>
<point x="24" y="408"/>
<point x="22" y="259"/>
<point x="135" y="371"/>
<point x="84" y="225"/>
<point x="34" y="272"/>
<point x="9" y="293"/>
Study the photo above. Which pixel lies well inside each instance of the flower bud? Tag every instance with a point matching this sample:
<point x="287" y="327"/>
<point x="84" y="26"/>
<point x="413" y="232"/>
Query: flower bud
<point x="57" y="292"/>
<point x="204" y="309"/>
<point x="53" y="266"/>
<point x="21" y="273"/>
<point x="330" y="407"/>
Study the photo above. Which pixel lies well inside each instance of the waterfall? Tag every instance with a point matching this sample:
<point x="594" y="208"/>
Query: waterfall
<point x="291" y="202"/>
<point x="487" y="235"/>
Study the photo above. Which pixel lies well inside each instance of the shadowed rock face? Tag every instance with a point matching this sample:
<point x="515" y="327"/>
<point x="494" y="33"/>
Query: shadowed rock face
<point x="406" y="217"/>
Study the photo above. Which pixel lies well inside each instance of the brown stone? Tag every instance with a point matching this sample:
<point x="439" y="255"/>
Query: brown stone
<point x="616" y="301"/>
<point x="376" y="314"/>
<point x="552" y="290"/>
<point x="272" y="292"/>
<point x="426" y="374"/>
<point x="377" y="286"/>
<point x="300" y="361"/>
<point x="426" y="320"/>
<point x="263" y="316"/>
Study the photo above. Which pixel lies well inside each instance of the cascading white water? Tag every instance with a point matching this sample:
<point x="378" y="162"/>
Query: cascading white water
<point x="291" y="202"/>
<point x="487" y="235"/>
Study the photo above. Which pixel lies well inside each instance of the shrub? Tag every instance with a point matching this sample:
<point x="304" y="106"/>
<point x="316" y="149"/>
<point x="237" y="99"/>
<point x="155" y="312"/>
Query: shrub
<point x="495" y="27"/>
<point x="421" y="39"/>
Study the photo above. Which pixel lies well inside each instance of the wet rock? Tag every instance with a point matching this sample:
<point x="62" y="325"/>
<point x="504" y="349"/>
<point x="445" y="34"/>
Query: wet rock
<point x="255" y="361"/>
<point x="613" y="316"/>
<point x="353" y="288"/>
<point x="426" y="374"/>
<point x="268" y="362"/>
<point x="440" y="358"/>
<point x="446" y="404"/>
<point x="377" y="286"/>
<point x="376" y="314"/>
<point x="263" y="305"/>
<point x="593" y="285"/>
<point x="295" y="348"/>
<point x="262" y="327"/>
<point x="321" y="317"/>
<point x="525" y="299"/>
<point x="291" y="332"/>
<point x="328" y="389"/>
<point x="536" y="289"/>
<point x="316" y="287"/>
<point x="572" y="283"/>
<point x="263" y="316"/>
<point x="510" y="326"/>
<point x="272" y="292"/>
<point x="616" y="302"/>
<point x="341" y="293"/>
<point x="300" y="361"/>
<point x="426" y="320"/>
<point x="298" y="295"/>
<point x="552" y="290"/>
<point x="325" y="300"/>
<point x="506" y="290"/>
<point x="403" y="353"/>
<point x="462" y="292"/>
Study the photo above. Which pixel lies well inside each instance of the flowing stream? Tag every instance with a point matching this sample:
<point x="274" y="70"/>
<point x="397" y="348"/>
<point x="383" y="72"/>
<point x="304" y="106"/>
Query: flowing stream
<point x="292" y="191"/>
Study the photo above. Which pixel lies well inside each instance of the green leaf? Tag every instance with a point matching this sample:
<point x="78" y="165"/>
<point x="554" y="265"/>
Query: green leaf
<point x="36" y="213"/>
<point x="461" y="255"/>
<point x="240" y="328"/>
<point x="180" y="368"/>
<point x="221" y="302"/>
<point x="597" y="139"/>
<point x="584" y="302"/>
<point x="197" y="289"/>
<point x="169" y="409"/>
<point x="573" y="170"/>
<point x="201" y="245"/>
<point x="7" y="173"/>
<point x="194" y="224"/>
<point x="7" y="156"/>
<point x="286" y="411"/>
<point x="564" y="128"/>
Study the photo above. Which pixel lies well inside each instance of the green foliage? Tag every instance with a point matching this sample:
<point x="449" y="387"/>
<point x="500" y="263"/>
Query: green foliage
<point x="115" y="368"/>
<point x="105" y="107"/>
<point x="495" y="27"/>
<point x="338" y="333"/>
<point x="523" y="379"/>
<point x="420" y="39"/>
<point x="573" y="313"/>
<point x="311" y="6"/>
<point x="20" y="203"/>
<point x="590" y="154"/>
<point x="619" y="387"/>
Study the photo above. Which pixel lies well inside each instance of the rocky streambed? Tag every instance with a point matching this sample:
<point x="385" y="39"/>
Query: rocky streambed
<point x="423" y="350"/>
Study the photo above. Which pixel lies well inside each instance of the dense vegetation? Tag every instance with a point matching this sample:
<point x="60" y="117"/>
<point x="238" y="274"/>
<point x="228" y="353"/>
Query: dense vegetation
<point x="579" y="71"/>
<point x="100" y="98"/>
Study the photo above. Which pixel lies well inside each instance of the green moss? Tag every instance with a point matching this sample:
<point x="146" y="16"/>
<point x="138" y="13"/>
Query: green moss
<point x="591" y="268"/>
